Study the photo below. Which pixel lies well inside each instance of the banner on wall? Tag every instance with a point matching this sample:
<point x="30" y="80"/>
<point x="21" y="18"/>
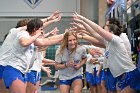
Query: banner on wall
<point x="33" y="3"/>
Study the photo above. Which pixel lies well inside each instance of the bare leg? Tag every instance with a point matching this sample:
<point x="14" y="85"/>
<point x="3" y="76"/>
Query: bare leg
<point x="127" y="90"/>
<point x="18" y="87"/>
<point x="94" y="89"/>
<point x="103" y="87"/>
<point x="2" y="87"/>
<point x="77" y="86"/>
<point x="37" y="86"/>
<point x="99" y="88"/>
<point x="30" y="88"/>
<point x="64" y="89"/>
<point x="91" y="88"/>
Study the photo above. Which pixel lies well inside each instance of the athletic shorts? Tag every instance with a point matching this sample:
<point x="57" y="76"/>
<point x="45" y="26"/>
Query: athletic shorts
<point x="96" y="79"/>
<point x="110" y="80"/>
<point x="33" y="77"/>
<point x="103" y="75"/>
<point x="10" y="74"/>
<point x="1" y="71"/>
<point x="131" y="79"/>
<point x="89" y="78"/>
<point x="69" y="82"/>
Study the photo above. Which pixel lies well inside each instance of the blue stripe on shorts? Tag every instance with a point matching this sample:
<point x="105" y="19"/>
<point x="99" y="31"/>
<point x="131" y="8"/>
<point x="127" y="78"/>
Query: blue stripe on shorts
<point x="33" y="77"/>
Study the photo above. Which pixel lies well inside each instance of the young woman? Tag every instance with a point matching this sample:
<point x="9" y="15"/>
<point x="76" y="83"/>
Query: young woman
<point x="34" y="73"/>
<point x="89" y="68"/>
<point x="116" y="56"/>
<point x="7" y="43"/>
<point x="22" y="55"/>
<point x="70" y="58"/>
<point x="6" y="48"/>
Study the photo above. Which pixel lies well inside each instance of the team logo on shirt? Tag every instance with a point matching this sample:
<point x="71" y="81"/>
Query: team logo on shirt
<point x="33" y="3"/>
<point x="107" y="54"/>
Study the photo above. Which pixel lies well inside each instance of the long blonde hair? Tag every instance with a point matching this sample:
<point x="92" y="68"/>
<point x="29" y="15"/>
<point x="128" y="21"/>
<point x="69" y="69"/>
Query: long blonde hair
<point x="64" y="43"/>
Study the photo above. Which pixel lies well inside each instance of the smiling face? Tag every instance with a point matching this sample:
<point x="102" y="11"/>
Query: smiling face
<point x="72" y="42"/>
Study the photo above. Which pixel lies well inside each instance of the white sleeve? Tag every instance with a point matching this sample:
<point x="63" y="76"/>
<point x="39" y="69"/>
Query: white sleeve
<point x="24" y="34"/>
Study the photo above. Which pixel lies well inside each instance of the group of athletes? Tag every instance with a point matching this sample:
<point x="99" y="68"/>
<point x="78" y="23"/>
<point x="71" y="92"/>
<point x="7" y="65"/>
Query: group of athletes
<point x="109" y="66"/>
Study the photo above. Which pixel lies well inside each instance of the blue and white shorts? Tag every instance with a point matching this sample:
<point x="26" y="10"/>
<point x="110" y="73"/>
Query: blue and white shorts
<point x="69" y="82"/>
<point x="110" y="80"/>
<point x="131" y="79"/>
<point x="96" y="79"/>
<point x="33" y="77"/>
<point x="10" y="74"/>
<point x="89" y="78"/>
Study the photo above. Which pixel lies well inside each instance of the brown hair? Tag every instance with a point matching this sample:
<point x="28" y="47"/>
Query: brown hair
<point x="34" y="25"/>
<point x="115" y="29"/>
<point x="22" y="22"/>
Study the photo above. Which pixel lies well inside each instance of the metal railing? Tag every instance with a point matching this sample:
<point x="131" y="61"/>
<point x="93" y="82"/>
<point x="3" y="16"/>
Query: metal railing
<point x="121" y="11"/>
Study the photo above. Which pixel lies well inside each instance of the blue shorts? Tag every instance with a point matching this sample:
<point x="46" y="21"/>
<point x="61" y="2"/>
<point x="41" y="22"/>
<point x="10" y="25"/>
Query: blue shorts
<point x="103" y="75"/>
<point x="96" y="79"/>
<point x="131" y="79"/>
<point x="33" y="77"/>
<point x="110" y="80"/>
<point x="10" y="74"/>
<point x="89" y="78"/>
<point x="1" y="71"/>
<point x="69" y="82"/>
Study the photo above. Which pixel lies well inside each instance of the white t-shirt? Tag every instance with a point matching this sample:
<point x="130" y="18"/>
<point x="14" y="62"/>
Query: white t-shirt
<point x="89" y="65"/>
<point x="7" y="45"/>
<point x="20" y="57"/>
<point x="117" y="57"/>
<point x="37" y="63"/>
<point x="70" y="72"/>
<point x="97" y="66"/>
<point x="127" y="44"/>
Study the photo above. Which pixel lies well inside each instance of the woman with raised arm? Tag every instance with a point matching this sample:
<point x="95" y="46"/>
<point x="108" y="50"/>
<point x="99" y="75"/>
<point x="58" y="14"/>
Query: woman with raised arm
<point x="6" y="48"/>
<point x="116" y="56"/>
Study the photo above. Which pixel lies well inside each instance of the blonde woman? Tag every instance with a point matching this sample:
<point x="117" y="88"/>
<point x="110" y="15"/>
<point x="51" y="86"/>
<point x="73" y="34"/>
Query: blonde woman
<point x="70" y="58"/>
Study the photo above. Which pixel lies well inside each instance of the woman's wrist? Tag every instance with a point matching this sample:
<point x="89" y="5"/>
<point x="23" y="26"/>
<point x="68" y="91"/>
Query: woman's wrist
<point x="47" y="19"/>
<point x="82" y="37"/>
<point x="65" y="64"/>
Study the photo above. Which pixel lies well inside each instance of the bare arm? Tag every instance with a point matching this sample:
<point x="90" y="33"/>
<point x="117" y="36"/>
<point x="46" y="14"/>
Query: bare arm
<point x="46" y="70"/>
<point x="92" y="40"/>
<point x="55" y="17"/>
<point x="60" y="66"/>
<point x="106" y="35"/>
<point x="48" y="61"/>
<point x="24" y="41"/>
<point x="48" y="41"/>
<point x="53" y="32"/>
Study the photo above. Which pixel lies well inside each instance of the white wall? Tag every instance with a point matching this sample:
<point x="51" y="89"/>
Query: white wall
<point x="89" y="9"/>
<point x="11" y="12"/>
<point x="43" y="8"/>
